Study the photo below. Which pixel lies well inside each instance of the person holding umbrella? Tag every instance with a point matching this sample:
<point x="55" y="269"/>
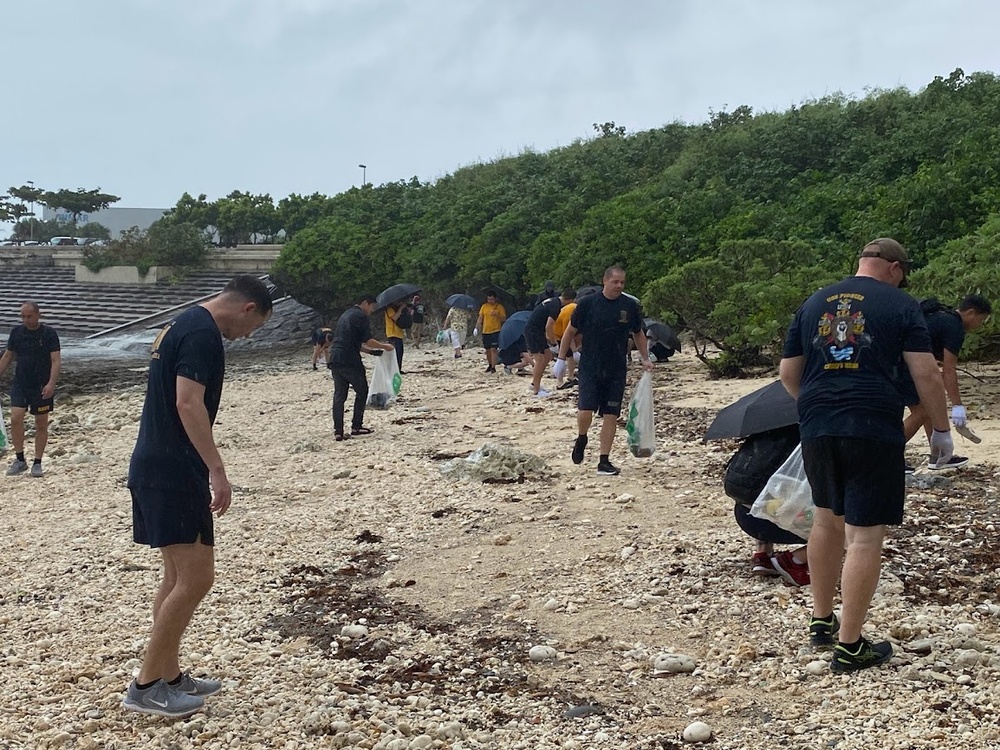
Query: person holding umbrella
<point x="394" y="330"/>
<point x="607" y="321"/>
<point x="353" y="334"/>
<point x="456" y="322"/>
<point x="491" y="317"/>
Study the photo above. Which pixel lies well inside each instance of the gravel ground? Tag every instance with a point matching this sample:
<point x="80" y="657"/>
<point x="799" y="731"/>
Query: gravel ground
<point x="365" y="600"/>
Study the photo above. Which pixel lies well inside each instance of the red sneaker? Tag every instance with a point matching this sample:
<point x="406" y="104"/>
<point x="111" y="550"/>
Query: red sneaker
<point x="761" y="565"/>
<point x="795" y="573"/>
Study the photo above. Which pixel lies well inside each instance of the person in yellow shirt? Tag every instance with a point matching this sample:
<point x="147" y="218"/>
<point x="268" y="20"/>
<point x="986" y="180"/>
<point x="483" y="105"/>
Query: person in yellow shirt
<point x="393" y="332"/>
<point x="491" y="318"/>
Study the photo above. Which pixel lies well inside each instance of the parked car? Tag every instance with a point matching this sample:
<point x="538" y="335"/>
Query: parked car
<point x="30" y="243"/>
<point x="62" y="241"/>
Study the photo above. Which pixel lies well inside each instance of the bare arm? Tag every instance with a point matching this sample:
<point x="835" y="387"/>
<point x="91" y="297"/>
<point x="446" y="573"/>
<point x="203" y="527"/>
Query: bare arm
<point x="374" y="343"/>
<point x="550" y="329"/>
<point x="567" y="340"/>
<point x="194" y="417"/>
<point x="5" y="360"/>
<point x="923" y="367"/>
<point x="949" y="373"/>
<point x="55" y="366"/>
<point x="790" y="372"/>
<point x="642" y="344"/>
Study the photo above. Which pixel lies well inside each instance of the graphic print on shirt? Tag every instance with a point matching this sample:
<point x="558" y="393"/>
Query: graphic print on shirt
<point x="841" y="335"/>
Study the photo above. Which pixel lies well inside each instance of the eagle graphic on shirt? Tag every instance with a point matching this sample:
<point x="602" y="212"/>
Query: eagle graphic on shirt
<point x="841" y="334"/>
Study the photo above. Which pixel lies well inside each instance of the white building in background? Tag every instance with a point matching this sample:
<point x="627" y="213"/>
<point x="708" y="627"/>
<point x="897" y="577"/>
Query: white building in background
<point x="117" y="220"/>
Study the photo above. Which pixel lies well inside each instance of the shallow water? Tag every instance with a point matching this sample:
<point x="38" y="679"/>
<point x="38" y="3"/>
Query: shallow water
<point x="126" y="346"/>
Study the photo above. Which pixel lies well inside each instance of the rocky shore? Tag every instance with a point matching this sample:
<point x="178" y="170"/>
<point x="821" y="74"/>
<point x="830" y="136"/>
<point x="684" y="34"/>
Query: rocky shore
<point x="363" y="599"/>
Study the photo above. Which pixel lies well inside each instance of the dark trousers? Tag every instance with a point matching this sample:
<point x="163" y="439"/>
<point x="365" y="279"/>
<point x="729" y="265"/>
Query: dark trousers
<point x="344" y="377"/>
<point x="398" y="343"/>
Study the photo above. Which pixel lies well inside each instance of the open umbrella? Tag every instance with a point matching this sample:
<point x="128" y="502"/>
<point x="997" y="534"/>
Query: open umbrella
<point x="505" y="298"/>
<point x="512" y="328"/>
<point x="662" y="334"/>
<point x="767" y="408"/>
<point x="583" y="291"/>
<point x="395" y="293"/>
<point x="462" y="302"/>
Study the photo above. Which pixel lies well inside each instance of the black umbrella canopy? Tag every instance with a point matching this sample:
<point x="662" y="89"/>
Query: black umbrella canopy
<point x="462" y="301"/>
<point x="767" y="408"/>
<point x="505" y="298"/>
<point x="583" y="291"/>
<point x="512" y="328"/>
<point x="395" y="293"/>
<point x="662" y="333"/>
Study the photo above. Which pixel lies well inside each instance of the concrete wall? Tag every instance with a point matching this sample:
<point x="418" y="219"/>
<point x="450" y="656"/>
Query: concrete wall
<point x="244" y="258"/>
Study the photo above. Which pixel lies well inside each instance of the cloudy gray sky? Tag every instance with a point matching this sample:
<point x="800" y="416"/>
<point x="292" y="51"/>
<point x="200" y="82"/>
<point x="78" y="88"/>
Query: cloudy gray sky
<point x="151" y="98"/>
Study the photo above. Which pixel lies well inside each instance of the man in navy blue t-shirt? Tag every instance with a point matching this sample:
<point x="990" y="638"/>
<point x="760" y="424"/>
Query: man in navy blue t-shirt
<point x="177" y="480"/>
<point x="843" y="358"/>
<point x="607" y="322"/>
<point x="947" y="329"/>
<point x="35" y="347"/>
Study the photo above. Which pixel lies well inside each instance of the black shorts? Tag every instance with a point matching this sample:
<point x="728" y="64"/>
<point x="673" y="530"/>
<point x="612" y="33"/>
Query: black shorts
<point x="161" y="518"/>
<point x="857" y="478"/>
<point x="490" y="340"/>
<point x="601" y="393"/>
<point x="535" y="341"/>
<point x="30" y="398"/>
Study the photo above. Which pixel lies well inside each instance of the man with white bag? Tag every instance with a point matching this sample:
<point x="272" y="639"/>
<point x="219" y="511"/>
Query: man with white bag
<point x="843" y="356"/>
<point x="353" y="333"/>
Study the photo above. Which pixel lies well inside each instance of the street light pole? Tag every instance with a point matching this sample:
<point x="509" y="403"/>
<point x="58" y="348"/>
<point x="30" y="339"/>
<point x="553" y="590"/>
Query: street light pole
<point x="364" y="173"/>
<point x="31" y="216"/>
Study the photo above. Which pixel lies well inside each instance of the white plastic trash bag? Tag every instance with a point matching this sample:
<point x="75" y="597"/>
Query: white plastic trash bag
<point x="641" y="426"/>
<point x="4" y="437"/>
<point x="386" y="382"/>
<point x="786" y="499"/>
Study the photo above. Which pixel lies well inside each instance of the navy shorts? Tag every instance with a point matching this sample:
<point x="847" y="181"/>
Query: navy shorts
<point x="857" y="478"/>
<point x="161" y="518"/>
<point x="490" y="340"/>
<point x="536" y="341"/>
<point x="30" y="398"/>
<point x="602" y="394"/>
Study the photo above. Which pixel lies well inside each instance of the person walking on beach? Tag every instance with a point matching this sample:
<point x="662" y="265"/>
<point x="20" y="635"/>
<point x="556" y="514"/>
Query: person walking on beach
<point x="178" y="480"/>
<point x="35" y="347"/>
<point x="417" y="327"/>
<point x="607" y="322"/>
<point x="842" y="361"/>
<point x="456" y="325"/>
<point x="490" y="321"/>
<point x="353" y="334"/>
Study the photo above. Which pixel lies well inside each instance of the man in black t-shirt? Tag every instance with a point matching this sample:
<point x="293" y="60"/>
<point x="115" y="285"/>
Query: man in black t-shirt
<point x="177" y="480"/>
<point x="417" y="316"/>
<point x="607" y="321"/>
<point x="947" y="329"/>
<point x="539" y="336"/>
<point x="843" y="357"/>
<point x="353" y="334"/>
<point x="35" y="347"/>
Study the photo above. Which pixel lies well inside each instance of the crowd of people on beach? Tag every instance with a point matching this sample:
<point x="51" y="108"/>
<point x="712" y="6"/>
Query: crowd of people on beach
<point x="856" y="353"/>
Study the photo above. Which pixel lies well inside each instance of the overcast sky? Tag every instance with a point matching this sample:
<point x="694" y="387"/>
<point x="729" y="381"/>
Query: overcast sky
<point x="148" y="99"/>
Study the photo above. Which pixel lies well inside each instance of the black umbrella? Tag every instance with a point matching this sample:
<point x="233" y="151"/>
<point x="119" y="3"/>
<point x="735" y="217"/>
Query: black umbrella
<point x="505" y="298"/>
<point x="462" y="302"/>
<point x="583" y="291"/>
<point x="662" y="333"/>
<point x="395" y="293"/>
<point x="512" y="328"/>
<point x="767" y="408"/>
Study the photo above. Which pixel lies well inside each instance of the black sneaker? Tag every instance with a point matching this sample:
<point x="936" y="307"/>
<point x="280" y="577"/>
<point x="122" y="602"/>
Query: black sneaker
<point x="578" y="447"/>
<point x="607" y="469"/>
<point x="909" y="468"/>
<point x="955" y="462"/>
<point x="867" y="655"/>
<point x="821" y="631"/>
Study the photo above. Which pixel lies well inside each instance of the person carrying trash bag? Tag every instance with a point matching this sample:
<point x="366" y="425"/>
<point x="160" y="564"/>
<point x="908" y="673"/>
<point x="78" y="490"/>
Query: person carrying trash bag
<point x="352" y="336"/>
<point x="385" y="385"/>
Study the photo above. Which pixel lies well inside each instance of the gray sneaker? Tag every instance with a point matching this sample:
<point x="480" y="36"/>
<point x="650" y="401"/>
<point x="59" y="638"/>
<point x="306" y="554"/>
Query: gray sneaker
<point x="161" y="699"/>
<point x="36" y="470"/>
<point x="197" y="686"/>
<point x="18" y="467"/>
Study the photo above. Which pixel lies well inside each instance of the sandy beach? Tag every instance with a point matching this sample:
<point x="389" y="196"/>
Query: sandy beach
<point x="364" y="600"/>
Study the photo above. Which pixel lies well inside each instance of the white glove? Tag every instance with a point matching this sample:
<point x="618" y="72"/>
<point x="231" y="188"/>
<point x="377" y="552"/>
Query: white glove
<point x="475" y="331"/>
<point x="942" y="447"/>
<point x="559" y="368"/>
<point x="576" y="356"/>
<point x="958" y="415"/>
